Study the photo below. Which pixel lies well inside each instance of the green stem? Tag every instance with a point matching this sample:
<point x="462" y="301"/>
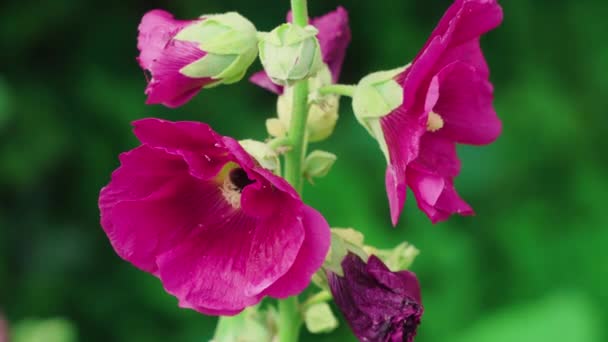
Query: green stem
<point x="290" y="319"/>
<point x="299" y="10"/>
<point x="338" y="89"/>
<point x="297" y="135"/>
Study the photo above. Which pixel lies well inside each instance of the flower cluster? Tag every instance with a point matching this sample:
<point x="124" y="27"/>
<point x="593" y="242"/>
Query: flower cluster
<point x="214" y="219"/>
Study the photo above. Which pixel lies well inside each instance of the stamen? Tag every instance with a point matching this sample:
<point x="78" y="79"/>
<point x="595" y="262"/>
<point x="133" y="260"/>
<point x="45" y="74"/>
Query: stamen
<point x="434" y="123"/>
<point x="233" y="186"/>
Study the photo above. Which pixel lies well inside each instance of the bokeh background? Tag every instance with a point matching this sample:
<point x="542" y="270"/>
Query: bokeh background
<point x="531" y="266"/>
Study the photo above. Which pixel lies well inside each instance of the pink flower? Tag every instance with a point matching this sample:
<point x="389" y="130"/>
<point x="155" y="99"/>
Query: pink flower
<point x="172" y="51"/>
<point x="164" y="56"/>
<point x="195" y="210"/>
<point x="447" y="99"/>
<point x="334" y="36"/>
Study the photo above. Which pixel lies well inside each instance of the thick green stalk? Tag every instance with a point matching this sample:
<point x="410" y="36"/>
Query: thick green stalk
<point x="290" y="319"/>
<point x="297" y="135"/>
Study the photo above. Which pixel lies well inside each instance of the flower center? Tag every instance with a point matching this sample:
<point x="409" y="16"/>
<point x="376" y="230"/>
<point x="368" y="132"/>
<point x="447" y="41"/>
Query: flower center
<point x="434" y="123"/>
<point x="233" y="186"/>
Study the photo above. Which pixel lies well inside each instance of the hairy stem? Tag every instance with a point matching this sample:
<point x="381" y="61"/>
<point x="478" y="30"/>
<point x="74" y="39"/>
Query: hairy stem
<point x="290" y="319"/>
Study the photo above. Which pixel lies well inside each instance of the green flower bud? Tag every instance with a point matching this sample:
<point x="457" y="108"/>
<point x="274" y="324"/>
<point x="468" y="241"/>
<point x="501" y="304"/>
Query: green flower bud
<point x="276" y="128"/>
<point x="318" y="164"/>
<point x="230" y="42"/>
<point x="320" y="319"/>
<point x="323" y="109"/>
<point x="290" y="53"/>
<point x="377" y="95"/>
<point x="263" y="154"/>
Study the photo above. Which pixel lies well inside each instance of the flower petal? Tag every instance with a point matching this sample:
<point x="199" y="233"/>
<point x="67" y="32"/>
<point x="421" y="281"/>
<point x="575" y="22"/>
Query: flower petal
<point x="465" y="104"/>
<point x="149" y="205"/>
<point x="228" y="268"/>
<point x="261" y="79"/>
<point x="402" y="131"/>
<point x="168" y="85"/>
<point x="334" y="37"/>
<point x="436" y="196"/>
<point x="310" y="257"/>
<point x="437" y="156"/>
<point x="196" y="142"/>
<point x="156" y="29"/>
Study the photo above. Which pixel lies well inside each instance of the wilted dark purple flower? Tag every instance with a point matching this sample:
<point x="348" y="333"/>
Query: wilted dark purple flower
<point x="379" y="305"/>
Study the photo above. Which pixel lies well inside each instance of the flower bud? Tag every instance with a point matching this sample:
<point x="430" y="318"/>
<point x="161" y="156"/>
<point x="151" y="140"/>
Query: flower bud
<point x="323" y="109"/>
<point x="262" y="153"/>
<point x="290" y="53"/>
<point x="320" y="319"/>
<point x="230" y="41"/>
<point x="318" y="164"/>
<point x="184" y="56"/>
<point x="276" y="128"/>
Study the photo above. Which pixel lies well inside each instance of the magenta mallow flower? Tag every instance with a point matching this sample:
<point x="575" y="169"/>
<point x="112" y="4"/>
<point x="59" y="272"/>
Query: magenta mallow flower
<point x="183" y="56"/>
<point x="194" y="209"/>
<point x="334" y="36"/>
<point x="379" y="305"/>
<point x="442" y="98"/>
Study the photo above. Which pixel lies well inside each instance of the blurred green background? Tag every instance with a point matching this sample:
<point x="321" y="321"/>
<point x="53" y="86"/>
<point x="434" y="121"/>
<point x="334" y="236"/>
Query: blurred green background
<point x="530" y="267"/>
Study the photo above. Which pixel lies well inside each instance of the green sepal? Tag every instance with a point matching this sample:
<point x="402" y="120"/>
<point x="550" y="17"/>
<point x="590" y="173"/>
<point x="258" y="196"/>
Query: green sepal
<point x="377" y="95"/>
<point x="224" y="34"/>
<point x="396" y="259"/>
<point x="230" y="43"/>
<point x="318" y="164"/>
<point x="320" y="319"/>
<point x="343" y="241"/>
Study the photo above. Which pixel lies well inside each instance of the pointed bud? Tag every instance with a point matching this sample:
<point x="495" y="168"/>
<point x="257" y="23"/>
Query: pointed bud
<point x="318" y="164"/>
<point x="290" y="53"/>
<point x="320" y="319"/>
<point x="262" y="153"/>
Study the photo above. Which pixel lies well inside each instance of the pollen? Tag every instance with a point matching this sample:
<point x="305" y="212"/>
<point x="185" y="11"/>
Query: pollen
<point x="434" y="123"/>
